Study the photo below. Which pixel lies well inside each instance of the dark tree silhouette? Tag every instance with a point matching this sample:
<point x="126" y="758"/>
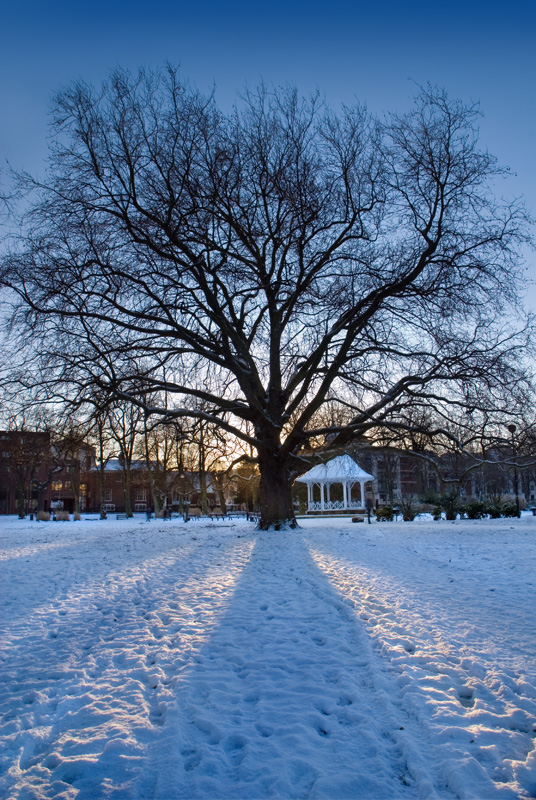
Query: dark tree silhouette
<point x="260" y="265"/>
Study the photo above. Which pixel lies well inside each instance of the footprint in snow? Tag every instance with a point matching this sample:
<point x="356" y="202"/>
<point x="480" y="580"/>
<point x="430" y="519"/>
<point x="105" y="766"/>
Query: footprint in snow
<point x="465" y="696"/>
<point x="344" y="701"/>
<point x="264" y="730"/>
<point x="234" y="746"/>
<point x="192" y="758"/>
<point x="157" y="715"/>
<point x="303" y="777"/>
<point x="208" y="728"/>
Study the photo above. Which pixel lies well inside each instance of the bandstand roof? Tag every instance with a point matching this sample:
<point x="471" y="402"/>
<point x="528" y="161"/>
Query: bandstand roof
<point x="338" y="470"/>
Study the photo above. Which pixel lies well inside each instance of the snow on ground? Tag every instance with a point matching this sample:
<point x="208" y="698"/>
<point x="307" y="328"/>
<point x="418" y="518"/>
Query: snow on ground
<point x="208" y="660"/>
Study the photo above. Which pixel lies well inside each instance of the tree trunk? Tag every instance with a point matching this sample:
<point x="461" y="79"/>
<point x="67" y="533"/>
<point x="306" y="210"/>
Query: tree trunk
<point x="152" y="472"/>
<point x="218" y="483"/>
<point x="21" y="500"/>
<point x="127" y="486"/>
<point x="40" y="498"/>
<point x="203" y="491"/>
<point x="202" y="471"/>
<point x="275" y="495"/>
<point x="158" y="501"/>
<point x="76" y="493"/>
<point x="101" y="466"/>
<point x="102" y="510"/>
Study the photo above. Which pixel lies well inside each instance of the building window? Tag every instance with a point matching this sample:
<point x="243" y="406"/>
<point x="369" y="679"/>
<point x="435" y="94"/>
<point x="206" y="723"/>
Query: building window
<point x="108" y="495"/>
<point x="57" y="486"/>
<point x="67" y="484"/>
<point x="141" y="494"/>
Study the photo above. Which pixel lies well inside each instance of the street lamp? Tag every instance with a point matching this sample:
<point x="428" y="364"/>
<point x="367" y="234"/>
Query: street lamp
<point x="512" y="429"/>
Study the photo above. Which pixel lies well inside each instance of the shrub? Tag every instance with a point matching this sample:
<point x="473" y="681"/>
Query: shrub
<point x="494" y="505"/>
<point x="429" y="498"/>
<point x="476" y="510"/>
<point x="451" y="504"/>
<point x="437" y="513"/>
<point x="63" y="516"/>
<point x="409" y="512"/>
<point x="384" y="514"/>
<point x="43" y="516"/>
<point x="76" y="516"/>
<point x="509" y="509"/>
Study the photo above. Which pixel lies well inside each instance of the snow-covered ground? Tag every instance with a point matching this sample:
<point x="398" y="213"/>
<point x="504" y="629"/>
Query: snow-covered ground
<point x="208" y="660"/>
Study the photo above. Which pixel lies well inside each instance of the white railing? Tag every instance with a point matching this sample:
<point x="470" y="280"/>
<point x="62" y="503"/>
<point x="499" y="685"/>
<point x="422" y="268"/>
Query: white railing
<point x="331" y="505"/>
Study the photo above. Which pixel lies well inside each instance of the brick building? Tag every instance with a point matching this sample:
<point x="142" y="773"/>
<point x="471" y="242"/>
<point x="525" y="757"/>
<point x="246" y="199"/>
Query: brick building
<point x="72" y="483"/>
<point x="25" y="472"/>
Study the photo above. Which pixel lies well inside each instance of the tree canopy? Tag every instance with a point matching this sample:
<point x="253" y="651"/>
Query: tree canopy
<point x="257" y="267"/>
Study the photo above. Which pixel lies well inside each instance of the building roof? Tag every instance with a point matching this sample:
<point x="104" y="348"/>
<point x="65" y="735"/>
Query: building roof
<point x="114" y="465"/>
<point x="338" y="470"/>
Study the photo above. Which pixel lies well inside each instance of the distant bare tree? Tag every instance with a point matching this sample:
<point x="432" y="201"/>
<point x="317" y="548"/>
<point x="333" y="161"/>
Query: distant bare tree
<point x="69" y="452"/>
<point x="157" y="448"/>
<point x="266" y="262"/>
<point x="123" y="421"/>
<point x="101" y="436"/>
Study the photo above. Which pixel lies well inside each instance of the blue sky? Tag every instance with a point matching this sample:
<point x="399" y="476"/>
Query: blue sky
<point x="372" y="51"/>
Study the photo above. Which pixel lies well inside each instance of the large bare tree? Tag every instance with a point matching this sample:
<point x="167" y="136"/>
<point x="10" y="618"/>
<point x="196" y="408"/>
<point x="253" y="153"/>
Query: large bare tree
<point x="262" y="264"/>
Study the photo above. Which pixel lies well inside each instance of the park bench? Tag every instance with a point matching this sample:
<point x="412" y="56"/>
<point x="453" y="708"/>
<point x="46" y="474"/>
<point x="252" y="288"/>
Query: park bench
<point x="121" y="516"/>
<point x="217" y="513"/>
